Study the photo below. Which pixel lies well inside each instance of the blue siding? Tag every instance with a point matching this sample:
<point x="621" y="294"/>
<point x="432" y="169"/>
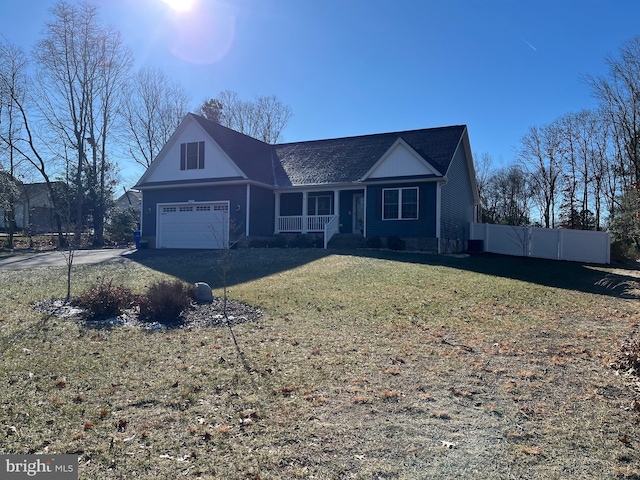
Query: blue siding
<point x="457" y="200"/>
<point x="290" y="204"/>
<point x="423" y="227"/>
<point x="261" y="215"/>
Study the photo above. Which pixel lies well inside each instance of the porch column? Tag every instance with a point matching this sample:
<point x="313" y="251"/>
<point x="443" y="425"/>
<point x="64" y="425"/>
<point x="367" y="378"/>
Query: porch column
<point x="336" y="206"/>
<point x="276" y="228"/>
<point x="305" y="222"/>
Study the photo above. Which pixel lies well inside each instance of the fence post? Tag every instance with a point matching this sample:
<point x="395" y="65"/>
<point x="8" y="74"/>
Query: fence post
<point x="560" y="244"/>
<point x="486" y="237"/>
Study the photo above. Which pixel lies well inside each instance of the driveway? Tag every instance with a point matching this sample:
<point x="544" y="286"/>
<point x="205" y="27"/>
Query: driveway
<point x="57" y="258"/>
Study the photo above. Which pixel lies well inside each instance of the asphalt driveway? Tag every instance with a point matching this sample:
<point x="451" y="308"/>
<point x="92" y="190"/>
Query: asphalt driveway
<point x="57" y="258"/>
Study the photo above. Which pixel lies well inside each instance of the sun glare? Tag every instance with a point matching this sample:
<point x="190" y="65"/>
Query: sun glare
<point x="180" y="5"/>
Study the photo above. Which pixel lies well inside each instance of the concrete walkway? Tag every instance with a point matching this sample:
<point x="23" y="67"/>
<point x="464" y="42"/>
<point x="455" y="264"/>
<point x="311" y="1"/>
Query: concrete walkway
<point x="57" y="258"/>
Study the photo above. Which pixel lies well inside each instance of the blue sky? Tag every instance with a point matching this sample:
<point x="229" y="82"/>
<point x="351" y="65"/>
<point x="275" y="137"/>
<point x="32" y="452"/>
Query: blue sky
<point x="352" y="67"/>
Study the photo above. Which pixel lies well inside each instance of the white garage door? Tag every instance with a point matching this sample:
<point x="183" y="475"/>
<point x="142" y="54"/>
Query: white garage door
<point x="193" y="225"/>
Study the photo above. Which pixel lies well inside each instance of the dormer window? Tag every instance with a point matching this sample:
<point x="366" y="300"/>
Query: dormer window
<point x="192" y="156"/>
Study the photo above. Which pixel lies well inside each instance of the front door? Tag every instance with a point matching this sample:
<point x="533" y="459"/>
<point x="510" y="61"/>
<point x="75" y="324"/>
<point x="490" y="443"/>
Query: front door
<point x="358" y="213"/>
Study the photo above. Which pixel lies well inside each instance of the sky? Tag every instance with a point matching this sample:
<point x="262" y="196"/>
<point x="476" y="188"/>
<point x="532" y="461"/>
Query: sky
<point x="355" y="67"/>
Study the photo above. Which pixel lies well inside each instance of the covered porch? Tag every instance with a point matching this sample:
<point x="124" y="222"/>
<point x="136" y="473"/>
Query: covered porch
<point x="341" y="211"/>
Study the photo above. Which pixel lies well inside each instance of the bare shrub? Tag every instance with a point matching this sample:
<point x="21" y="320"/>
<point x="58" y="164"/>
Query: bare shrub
<point x="165" y="301"/>
<point x="104" y="299"/>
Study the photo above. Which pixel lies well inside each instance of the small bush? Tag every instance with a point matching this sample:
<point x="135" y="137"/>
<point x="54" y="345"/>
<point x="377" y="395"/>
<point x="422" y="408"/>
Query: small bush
<point x="622" y="252"/>
<point x="374" y="242"/>
<point x="395" y="243"/>
<point x="277" y="241"/>
<point x="104" y="299"/>
<point x="121" y="225"/>
<point x="259" y="243"/>
<point x="165" y="301"/>
<point x="306" y="241"/>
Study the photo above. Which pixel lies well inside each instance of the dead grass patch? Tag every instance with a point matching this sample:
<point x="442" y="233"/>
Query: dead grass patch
<point x="342" y="383"/>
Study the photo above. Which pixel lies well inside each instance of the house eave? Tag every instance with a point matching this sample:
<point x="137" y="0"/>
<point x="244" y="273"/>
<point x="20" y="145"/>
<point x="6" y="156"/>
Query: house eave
<point x="414" y="178"/>
<point x="319" y="186"/>
<point x="207" y="182"/>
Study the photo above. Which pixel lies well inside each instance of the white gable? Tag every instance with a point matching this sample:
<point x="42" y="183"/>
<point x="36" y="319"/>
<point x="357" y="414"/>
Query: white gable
<point x="166" y="166"/>
<point x="400" y="161"/>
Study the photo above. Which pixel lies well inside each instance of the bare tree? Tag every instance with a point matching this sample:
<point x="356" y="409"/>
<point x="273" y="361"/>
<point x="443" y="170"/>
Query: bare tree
<point x="619" y="95"/>
<point x="265" y="118"/>
<point x="82" y="66"/>
<point x="509" y="194"/>
<point x="483" y="167"/>
<point x="13" y="65"/>
<point x="540" y="155"/>
<point x="17" y="134"/>
<point x="154" y="109"/>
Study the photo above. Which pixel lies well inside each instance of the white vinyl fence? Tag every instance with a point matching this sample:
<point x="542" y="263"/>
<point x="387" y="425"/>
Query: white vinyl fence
<point x="553" y="243"/>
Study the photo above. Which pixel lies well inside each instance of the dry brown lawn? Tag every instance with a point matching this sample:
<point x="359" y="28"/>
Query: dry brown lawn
<point x="365" y="365"/>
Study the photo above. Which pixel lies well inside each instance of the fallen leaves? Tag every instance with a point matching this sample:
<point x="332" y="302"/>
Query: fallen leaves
<point x="531" y="450"/>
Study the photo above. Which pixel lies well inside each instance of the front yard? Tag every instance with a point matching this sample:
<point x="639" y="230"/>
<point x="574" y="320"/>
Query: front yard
<point x="369" y="365"/>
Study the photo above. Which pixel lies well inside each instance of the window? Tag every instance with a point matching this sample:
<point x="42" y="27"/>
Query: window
<point x="400" y="203"/>
<point x="319" y="205"/>
<point x="192" y="156"/>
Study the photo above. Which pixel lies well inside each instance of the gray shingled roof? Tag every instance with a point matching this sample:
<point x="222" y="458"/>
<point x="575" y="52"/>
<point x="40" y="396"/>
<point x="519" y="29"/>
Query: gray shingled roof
<point x="339" y="160"/>
<point x="344" y="160"/>
<point x="252" y="156"/>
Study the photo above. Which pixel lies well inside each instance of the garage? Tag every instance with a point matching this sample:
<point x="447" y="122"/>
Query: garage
<point x="193" y="225"/>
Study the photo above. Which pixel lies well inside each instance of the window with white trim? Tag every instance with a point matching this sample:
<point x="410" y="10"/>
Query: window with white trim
<point x="400" y="203"/>
<point x="192" y="156"/>
<point x="319" y="205"/>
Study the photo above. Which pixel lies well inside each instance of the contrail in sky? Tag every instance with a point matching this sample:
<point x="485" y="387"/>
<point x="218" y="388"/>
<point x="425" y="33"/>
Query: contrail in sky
<point x="532" y="47"/>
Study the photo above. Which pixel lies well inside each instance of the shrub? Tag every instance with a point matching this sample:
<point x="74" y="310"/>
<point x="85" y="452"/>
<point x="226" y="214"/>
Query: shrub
<point x="622" y="252"/>
<point x="306" y="241"/>
<point x="121" y="225"/>
<point x="104" y="299"/>
<point x="277" y="241"/>
<point x="395" y="243"/>
<point x="165" y="301"/>
<point x="374" y="242"/>
<point x="259" y="243"/>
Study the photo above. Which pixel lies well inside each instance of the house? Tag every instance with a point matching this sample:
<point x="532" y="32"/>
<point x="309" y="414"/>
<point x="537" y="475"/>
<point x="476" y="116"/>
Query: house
<point x="34" y="211"/>
<point x="130" y="199"/>
<point x="209" y="182"/>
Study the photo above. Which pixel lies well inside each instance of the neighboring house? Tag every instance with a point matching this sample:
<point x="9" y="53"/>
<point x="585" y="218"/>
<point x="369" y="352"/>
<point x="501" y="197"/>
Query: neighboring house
<point x="33" y="209"/>
<point x="209" y="181"/>
<point x="130" y="199"/>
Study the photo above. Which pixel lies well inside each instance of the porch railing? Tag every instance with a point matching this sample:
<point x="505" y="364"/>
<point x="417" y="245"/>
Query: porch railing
<point x="290" y="224"/>
<point x="294" y="223"/>
<point x="330" y="229"/>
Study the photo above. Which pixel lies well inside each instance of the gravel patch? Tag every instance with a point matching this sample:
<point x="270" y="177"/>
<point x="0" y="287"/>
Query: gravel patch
<point x="198" y="315"/>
